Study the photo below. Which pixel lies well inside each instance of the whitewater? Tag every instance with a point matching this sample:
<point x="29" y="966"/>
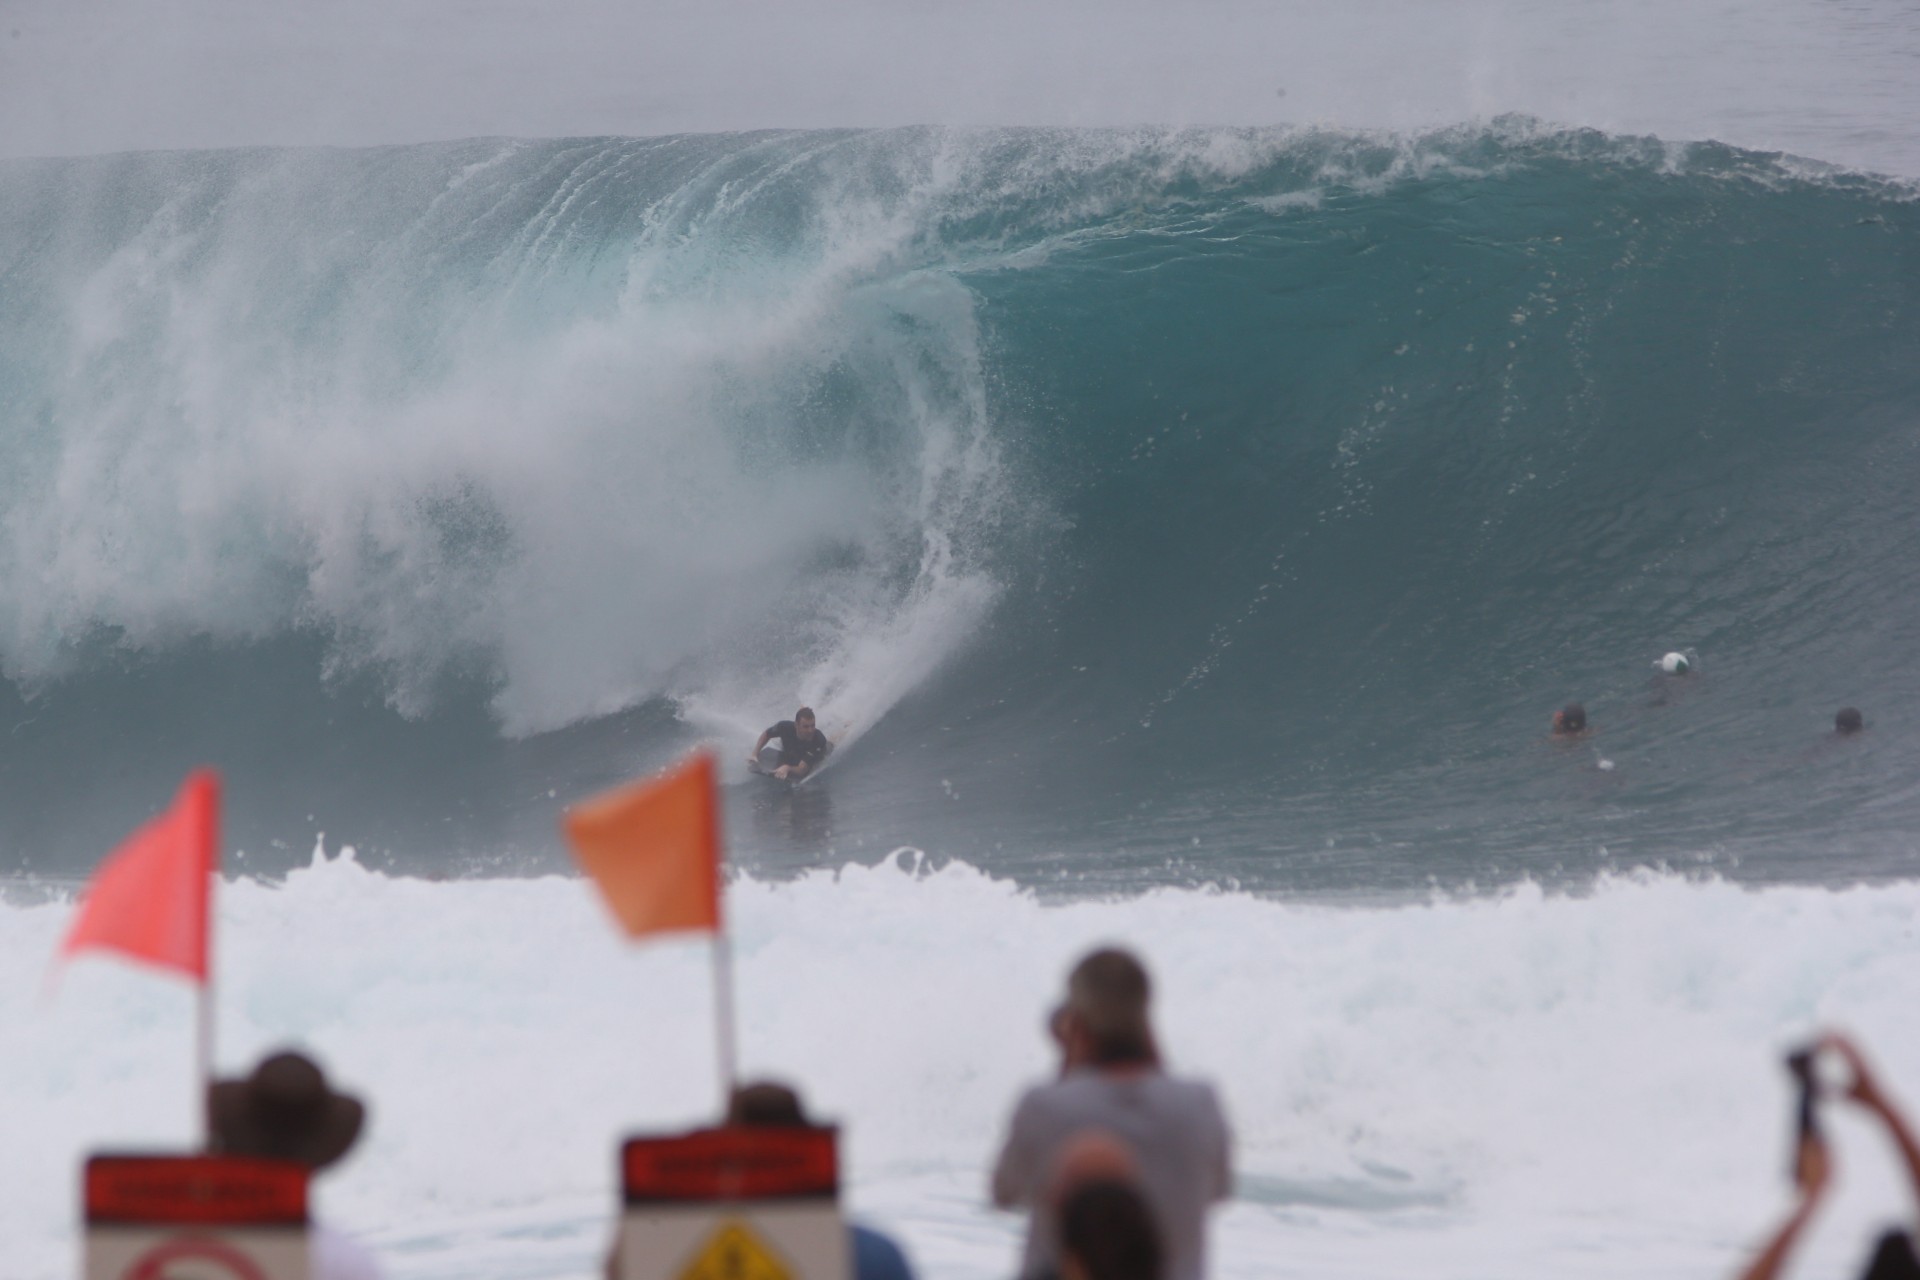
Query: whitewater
<point x="1185" y="457"/>
<point x="1464" y="1087"/>
<point x="1480" y="1086"/>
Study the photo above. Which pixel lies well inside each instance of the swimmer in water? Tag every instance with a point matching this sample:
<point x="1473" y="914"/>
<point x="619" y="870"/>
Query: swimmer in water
<point x="1673" y="674"/>
<point x="1570" y="721"/>
<point x="1847" y="721"/>
<point x="1677" y="664"/>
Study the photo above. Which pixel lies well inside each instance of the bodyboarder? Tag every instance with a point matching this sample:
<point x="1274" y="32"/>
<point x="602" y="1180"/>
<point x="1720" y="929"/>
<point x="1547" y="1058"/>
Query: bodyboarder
<point x="802" y="747"/>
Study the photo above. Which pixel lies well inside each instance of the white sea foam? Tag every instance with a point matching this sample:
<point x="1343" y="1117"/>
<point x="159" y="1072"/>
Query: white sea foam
<point x="1510" y="1086"/>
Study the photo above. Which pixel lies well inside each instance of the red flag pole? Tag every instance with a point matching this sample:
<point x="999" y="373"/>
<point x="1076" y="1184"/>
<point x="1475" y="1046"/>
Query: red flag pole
<point x="726" y="1042"/>
<point x="203" y="1031"/>
<point x="204" y="1012"/>
<point x="151" y="899"/>
<point x="203" y="1037"/>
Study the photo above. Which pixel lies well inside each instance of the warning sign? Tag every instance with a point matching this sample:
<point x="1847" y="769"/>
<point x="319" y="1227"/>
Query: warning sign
<point x="195" y="1218"/>
<point x="732" y="1164"/>
<point x="733" y="1204"/>
<point x="181" y="1257"/>
<point x="734" y="1252"/>
<point x="125" y="1253"/>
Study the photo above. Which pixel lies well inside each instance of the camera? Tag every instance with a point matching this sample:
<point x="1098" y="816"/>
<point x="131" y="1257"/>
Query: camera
<point x="1803" y="1064"/>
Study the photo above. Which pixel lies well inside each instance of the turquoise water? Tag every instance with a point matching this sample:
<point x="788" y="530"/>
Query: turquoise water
<point x="1230" y="503"/>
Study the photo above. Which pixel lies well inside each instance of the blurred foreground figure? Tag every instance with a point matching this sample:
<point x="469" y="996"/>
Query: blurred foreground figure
<point x="1893" y="1258"/>
<point x="767" y="1105"/>
<point x="1100" y="1210"/>
<point x="286" y="1110"/>
<point x="1111" y="1081"/>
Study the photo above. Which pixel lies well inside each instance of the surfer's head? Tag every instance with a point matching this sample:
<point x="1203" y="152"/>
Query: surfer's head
<point x="803" y="721"/>
<point x="1570" y="719"/>
<point x="1848" y="720"/>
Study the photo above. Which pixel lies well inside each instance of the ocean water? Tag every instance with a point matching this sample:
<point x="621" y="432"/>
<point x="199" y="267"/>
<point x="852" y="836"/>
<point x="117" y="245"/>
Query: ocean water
<point x="1186" y="515"/>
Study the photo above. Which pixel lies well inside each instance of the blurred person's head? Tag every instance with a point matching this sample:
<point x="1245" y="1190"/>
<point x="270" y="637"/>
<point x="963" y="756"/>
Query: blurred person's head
<point x="1104" y="1021"/>
<point x="1893" y="1259"/>
<point x="1107" y="1232"/>
<point x="285" y="1110"/>
<point x="765" y="1104"/>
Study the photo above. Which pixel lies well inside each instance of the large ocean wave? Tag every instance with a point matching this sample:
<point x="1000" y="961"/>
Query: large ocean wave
<point x="1233" y="503"/>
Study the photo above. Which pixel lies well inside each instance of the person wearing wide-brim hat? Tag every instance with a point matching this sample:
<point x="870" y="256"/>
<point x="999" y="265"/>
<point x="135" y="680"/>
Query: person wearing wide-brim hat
<point x="286" y="1110"/>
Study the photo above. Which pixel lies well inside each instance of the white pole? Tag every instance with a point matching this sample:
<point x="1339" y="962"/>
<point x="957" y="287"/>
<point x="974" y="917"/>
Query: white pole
<point x="723" y="1014"/>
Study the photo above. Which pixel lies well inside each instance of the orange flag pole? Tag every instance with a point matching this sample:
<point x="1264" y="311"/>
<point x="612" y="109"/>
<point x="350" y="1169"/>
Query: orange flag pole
<point x="653" y="849"/>
<point x="723" y="1025"/>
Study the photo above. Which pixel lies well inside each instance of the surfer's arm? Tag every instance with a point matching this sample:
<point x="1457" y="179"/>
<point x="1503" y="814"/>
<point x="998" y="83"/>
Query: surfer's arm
<point x="807" y="766"/>
<point x="753" y="756"/>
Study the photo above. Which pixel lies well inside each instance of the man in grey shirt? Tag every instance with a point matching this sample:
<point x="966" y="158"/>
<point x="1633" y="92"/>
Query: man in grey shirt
<point x="1111" y="1081"/>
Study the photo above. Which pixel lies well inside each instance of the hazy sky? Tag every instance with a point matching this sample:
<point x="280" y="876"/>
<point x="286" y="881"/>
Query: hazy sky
<point x="1832" y="79"/>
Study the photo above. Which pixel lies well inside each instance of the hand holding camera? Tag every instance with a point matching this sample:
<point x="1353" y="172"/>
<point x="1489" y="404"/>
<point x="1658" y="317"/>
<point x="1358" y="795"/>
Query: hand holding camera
<point x="1834" y="1066"/>
<point x="1862" y="1086"/>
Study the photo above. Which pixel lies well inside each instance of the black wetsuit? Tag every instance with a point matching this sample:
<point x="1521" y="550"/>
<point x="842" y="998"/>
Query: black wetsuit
<point x="793" y="751"/>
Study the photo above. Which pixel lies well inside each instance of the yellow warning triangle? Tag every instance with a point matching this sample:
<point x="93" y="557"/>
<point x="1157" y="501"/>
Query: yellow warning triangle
<point x="734" y="1252"/>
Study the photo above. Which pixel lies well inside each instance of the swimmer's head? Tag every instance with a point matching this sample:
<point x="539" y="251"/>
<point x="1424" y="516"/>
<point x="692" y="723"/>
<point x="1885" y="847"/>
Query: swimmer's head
<point x="1675" y="664"/>
<point x="1571" y="718"/>
<point x="1848" y="720"/>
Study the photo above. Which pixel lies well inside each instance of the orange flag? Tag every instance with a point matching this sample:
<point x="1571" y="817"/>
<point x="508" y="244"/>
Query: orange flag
<point x="654" y="849"/>
<point x="149" y="899"/>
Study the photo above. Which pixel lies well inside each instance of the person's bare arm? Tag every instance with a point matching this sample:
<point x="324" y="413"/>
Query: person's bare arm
<point x="1866" y="1091"/>
<point x="806" y="766"/>
<point x="753" y="757"/>
<point x="1223" y="1165"/>
<point x="1014" y="1178"/>
<point x="1815" y="1173"/>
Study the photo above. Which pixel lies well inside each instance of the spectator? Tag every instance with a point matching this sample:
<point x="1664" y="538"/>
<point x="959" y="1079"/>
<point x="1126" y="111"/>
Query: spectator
<point x="286" y="1110"/>
<point x="1894" y="1257"/>
<point x="1106" y="1229"/>
<point x="768" y="1105"/>
<point x="1112" y="1080"/>
<point x="1570" y="721"/>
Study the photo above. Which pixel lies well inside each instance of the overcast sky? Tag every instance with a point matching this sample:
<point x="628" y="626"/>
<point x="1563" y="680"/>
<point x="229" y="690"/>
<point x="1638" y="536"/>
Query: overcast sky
<point x="1832" y="79"/>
